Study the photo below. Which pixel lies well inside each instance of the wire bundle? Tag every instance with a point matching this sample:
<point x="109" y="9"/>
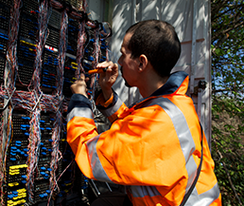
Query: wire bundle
<point x="33" y="151"/>
<point x="4" y="157"/>
<point x="56" y="154"/>
<point x="80" y="49"/>
<point x="42" y="37"/>
<point x="11" y="66"/>
<point x="24" y="100"/>
<point x="35" y="134"/>
<point x="2" y="169"/>
<point x="62" y="51"/>
<point x="96" y="53"/>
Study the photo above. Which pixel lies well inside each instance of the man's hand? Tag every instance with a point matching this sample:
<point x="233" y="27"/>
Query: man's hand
<point x="108" y="78"/>
<point x="79" y="86"/>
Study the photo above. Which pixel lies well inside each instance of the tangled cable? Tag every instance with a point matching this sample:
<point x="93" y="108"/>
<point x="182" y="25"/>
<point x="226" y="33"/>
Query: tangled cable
<point x="34" y="101"/>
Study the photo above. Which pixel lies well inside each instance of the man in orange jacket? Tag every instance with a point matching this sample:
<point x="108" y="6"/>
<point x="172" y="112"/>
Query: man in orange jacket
<point x="156" y="147"/>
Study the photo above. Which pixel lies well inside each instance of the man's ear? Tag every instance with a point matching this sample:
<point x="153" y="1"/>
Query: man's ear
<point x="143" y="62"/>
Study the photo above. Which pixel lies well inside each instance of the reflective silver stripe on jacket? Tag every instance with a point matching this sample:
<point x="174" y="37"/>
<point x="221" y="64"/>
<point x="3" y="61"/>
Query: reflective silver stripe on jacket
<point x="80" y="112"/>
<point x="183" y="133"/>
<point x="142" y="191"/>
<point x="97" y="168"/>
<point x="110" y="111"/>
<point x="205" y="198"/>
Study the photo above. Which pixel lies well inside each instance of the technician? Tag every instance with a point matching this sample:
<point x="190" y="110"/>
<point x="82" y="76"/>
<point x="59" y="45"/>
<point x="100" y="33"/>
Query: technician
<point x="156" y="147"/>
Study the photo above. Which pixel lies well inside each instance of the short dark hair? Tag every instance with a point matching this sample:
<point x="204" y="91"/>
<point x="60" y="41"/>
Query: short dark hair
<point x="158" y="41"/>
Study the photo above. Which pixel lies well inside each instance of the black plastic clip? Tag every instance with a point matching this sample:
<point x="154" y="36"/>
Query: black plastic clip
<point x="40" y="1"/>
<point x="202" y="84"/>
<point x="67" y="6"/>
<point x="84" y="16"/>
<point x="96" y="24"/>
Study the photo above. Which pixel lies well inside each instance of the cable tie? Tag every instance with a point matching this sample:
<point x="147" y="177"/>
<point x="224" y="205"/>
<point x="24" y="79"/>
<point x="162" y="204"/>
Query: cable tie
<point x="60" y="104"/>
<point x="9" y="99"/>
<point x="37" y="101"/>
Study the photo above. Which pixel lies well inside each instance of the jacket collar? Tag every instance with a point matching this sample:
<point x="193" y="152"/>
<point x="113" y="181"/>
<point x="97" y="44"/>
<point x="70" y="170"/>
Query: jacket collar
<point x="171" y="86"/>
<point x="173" y="83"/>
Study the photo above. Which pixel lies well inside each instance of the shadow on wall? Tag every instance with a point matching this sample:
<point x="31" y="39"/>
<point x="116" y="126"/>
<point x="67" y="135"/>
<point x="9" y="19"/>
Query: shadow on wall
<point x="178" y="13"/>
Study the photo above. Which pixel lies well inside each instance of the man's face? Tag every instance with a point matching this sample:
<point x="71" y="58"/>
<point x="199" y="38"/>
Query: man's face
<point x="128" y="65"/>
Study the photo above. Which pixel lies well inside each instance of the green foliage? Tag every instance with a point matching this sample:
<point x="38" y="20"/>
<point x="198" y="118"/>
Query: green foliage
<point x="227" y="105"/>
<point x="227" y="152"/>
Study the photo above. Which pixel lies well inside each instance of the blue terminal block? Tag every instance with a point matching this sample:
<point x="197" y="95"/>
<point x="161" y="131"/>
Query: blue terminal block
<point x="43" y="195"/>
<point x="11" y="196"/>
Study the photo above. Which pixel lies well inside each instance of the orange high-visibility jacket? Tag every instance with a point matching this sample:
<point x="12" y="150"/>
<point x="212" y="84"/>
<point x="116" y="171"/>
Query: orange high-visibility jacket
<point x="153" y="147"/>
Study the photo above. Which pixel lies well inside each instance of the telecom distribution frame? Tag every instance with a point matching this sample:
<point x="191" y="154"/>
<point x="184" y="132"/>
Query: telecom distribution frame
<point x="44" y="47"/>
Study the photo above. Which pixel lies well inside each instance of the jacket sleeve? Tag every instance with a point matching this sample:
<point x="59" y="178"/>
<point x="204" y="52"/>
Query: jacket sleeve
<point x="131" y="152"/>
<point x="113" y="108"/>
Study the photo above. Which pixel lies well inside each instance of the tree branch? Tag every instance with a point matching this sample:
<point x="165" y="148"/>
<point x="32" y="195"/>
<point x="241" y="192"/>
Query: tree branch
<point x="223" y="32"/>
<point x="229" y="178"/>
<point x="224" y="13"/>
<point x="220" y="4"/>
